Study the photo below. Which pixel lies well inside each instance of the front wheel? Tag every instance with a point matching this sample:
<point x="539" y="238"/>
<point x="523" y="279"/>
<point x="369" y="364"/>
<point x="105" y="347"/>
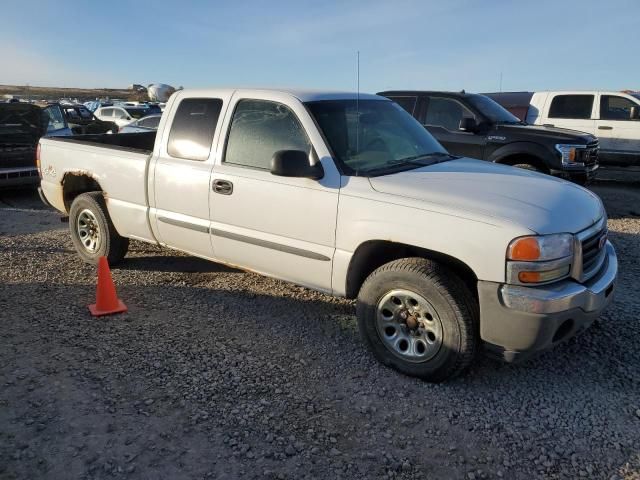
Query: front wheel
<point x="418" y="317"/>
<point x="92" y="231"/>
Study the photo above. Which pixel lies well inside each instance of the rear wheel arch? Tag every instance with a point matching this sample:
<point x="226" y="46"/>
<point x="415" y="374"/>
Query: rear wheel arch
<point x="372" y="254"/>
<point x="74" y="184"/>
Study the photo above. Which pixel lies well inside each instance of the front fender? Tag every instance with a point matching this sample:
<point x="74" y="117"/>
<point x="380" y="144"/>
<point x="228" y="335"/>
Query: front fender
<point x="480" y="244"/>
<point x="530" y="149"/>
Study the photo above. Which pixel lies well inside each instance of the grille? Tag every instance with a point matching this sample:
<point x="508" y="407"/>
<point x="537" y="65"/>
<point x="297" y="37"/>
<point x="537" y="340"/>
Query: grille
<point x="593" y="251"/>
<point x="18" y="174"/>
<point x="589" y="155"/>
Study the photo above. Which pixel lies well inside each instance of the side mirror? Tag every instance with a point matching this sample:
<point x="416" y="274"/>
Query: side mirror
<point x="295" y="163"/>
<point x="634" y="113"/>
<point x="468" y="125"/>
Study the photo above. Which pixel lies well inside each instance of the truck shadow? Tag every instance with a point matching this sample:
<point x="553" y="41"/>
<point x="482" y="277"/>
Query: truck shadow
<point x="173" y="263"/>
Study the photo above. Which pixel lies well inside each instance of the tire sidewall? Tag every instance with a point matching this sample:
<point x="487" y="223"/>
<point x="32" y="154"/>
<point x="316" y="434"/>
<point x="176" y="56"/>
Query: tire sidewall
<point x="82" y="202"/>
<point x="368" y="300"/>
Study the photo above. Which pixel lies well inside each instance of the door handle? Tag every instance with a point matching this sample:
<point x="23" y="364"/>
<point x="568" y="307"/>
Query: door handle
<point x="605" y="127"/>
<point x="223" y="187"/>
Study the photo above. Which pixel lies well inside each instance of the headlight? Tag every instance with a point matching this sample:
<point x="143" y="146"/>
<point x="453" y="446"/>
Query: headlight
<point x="569" y="154"/>
<point x="539" y="259"/>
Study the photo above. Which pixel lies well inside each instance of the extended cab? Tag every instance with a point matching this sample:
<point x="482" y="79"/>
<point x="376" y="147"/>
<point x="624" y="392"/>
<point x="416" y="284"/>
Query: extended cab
<point x="613" y="117"/>
<point x="349" y="195"/>
<point x="473" y="125"/>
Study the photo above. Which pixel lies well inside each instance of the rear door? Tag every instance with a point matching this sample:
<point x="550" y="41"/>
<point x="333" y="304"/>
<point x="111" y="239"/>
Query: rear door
<point x="181" y="174"/>
<point x="442" y="116"/>
<point x="278" y="226"/>
<point x="573" y="111"/>
<point x="619" y="134"/>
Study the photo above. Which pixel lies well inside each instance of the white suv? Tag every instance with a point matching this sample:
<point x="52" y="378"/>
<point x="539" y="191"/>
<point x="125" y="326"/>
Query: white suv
<point x="613" y="117"/>
<point x="120" y="115"/>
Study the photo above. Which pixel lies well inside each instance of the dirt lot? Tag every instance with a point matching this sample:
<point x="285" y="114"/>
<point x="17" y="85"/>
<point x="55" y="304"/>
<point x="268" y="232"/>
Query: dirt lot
<point x="216" y="373"/>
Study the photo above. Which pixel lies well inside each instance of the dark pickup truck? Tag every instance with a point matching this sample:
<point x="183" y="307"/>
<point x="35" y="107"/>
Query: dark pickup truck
<point x="473" y="125"/>
<point x="21" y="126"/>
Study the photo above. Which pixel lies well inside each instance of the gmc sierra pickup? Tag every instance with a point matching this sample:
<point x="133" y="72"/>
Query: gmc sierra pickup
<point x="349" y="195"/>
<point x="475" y="126"/>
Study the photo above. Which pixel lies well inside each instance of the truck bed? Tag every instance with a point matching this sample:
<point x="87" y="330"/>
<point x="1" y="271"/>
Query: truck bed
<point x="117" y="164"/>
<point x="141" y="142"/>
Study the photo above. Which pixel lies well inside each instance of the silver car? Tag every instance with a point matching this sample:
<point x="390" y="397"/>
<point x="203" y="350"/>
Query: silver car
<point x="144" y="124"/>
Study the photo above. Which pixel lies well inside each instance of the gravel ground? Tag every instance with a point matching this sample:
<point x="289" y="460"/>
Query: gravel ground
<point x="217" y="373"/>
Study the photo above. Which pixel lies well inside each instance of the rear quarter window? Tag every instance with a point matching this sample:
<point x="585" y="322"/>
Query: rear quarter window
<point x="193" y="127"/>
<point x="571" y="106"/>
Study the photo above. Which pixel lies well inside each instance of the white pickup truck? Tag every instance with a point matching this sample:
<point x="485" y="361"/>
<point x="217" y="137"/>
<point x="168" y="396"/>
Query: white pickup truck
<point x="349" y="195"/>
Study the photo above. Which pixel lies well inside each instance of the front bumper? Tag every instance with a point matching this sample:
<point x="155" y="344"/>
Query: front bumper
<point x="580" y="174"/>
<point x="517" y="322"/>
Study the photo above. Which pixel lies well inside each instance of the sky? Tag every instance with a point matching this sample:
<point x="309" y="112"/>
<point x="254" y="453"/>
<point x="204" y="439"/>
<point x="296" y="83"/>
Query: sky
<point x="445" y="45"/>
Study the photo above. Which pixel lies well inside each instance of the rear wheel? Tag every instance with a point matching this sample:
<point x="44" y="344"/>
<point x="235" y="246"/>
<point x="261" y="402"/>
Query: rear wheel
<point x="92" y="231"/>
<point x="418" y="317"/>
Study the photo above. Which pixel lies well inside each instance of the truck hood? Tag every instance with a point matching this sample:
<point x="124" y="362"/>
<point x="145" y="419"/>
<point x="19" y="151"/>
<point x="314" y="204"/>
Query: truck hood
<point x="560" y="135"/>
<point x="467" y="187"/>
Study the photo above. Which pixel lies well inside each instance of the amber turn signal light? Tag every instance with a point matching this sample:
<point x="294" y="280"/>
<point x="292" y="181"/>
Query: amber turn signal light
<point x="526" y="248"/>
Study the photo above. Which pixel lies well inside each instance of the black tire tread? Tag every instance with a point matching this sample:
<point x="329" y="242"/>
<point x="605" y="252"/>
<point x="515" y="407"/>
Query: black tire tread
<point x="116" y="245"/>
<point x="458" y="296"/>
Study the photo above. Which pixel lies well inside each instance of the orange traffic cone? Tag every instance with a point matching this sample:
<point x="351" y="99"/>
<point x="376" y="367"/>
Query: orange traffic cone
<point x="107" y="302"/>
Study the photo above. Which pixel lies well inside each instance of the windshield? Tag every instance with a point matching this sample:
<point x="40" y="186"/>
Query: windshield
<point x="373" y="137"/>
<point x="55" y="117"/>
<point x="492" y="110"/>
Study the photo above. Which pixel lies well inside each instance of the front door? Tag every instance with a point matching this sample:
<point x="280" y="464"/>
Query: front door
<point x="277" y="226"/>
<point x="441" y="116"/>
<point x="619" y="134"/>
<point x="181" y="176"/>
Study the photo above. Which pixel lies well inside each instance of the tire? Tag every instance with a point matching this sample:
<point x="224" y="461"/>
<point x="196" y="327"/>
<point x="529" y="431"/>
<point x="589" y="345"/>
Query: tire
<point x="92" y="231"/>
<point x="430" y="296"/>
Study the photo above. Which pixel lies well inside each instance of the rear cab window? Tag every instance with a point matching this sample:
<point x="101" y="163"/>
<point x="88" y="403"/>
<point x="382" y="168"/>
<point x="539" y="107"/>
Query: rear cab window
<point x="193" y="127"/>
<point x="577" y="107"/>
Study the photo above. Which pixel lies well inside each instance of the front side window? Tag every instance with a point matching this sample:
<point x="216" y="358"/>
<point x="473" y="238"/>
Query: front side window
<point x="193" y="127"/>
<point x="446" y="112"/>
<point x="259" y="129"/>
<point x="373" y="137"/>
<point x="571" y="106"/>
<point x="613" y="107"/>
<point x="408" y="103"/>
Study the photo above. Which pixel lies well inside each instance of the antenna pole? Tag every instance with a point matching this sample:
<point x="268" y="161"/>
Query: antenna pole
<point x="357" y="102"/>
<point x="500" y="81"/>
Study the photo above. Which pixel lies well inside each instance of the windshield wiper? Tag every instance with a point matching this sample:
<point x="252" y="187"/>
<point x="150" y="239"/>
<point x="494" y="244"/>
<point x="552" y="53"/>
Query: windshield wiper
<point x="415" y="159"/>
